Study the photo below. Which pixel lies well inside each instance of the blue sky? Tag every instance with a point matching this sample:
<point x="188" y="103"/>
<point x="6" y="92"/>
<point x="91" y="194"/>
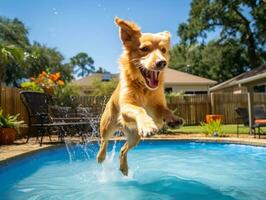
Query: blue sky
<point x="88" y="25"/>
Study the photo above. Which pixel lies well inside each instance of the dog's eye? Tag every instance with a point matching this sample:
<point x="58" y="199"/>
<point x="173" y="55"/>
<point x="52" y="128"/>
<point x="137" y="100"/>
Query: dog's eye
<point x="144" y="49"/>
<point x="163" y="50"/>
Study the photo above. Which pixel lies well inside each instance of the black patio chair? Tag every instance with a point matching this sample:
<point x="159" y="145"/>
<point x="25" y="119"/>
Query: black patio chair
<point x="259" y="117"/>
<point x="259" y="112"/>
<point x="36" y="104"/>
<point x="42" y="121"/>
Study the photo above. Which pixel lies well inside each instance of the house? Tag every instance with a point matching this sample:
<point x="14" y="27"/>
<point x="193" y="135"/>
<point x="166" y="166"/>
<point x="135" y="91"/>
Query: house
<point x="255" y="78"/>
<point x="86" y="84"/>
<point x="175" y="81"/>
<point x="248" y="83"/>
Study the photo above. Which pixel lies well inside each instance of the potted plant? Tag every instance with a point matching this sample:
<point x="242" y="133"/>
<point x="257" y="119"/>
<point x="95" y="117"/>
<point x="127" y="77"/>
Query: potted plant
<point x="8" y="128"/>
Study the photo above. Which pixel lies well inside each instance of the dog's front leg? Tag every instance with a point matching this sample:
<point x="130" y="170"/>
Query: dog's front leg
<point x="145" y="123"/>
<point x="169" y="117"/>
<point x="172" y="120"/>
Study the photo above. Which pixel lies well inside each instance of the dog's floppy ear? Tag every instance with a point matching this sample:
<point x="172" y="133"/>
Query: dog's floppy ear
<point x="166" y="34"/>
<point x="129" y="33"/>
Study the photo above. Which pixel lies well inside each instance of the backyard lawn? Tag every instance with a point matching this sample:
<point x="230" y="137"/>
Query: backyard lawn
<point x="228" y="128"/>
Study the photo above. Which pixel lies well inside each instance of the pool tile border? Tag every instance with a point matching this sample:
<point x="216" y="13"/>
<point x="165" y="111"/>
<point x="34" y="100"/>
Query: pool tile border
<point x="239" y="141"/>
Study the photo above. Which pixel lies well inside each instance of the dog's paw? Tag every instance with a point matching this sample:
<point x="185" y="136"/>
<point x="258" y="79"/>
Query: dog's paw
<point x="175" y="122"/>
<point x="171" y="120"/>
<point x="101" y="156"/>
<point x="147" y="128"/>
<point x="124" y="169"/>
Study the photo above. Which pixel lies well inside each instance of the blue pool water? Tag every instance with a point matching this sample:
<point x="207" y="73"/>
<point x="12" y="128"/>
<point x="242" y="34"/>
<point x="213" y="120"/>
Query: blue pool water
<point x="158" y="170"/>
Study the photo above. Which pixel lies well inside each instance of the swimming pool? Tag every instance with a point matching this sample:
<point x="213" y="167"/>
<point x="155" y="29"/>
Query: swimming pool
<point x="158" y="170"/>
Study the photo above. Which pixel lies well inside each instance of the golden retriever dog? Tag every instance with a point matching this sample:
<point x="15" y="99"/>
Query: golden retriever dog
<point x="137" y="106"/>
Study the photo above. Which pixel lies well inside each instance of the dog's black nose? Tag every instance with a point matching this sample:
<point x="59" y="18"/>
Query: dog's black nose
<point x="160" y="64"/>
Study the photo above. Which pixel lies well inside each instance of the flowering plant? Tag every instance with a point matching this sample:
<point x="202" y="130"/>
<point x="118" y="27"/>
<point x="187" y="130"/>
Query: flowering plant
<point x="48" y="80"/>
<point x="44" y="82"/>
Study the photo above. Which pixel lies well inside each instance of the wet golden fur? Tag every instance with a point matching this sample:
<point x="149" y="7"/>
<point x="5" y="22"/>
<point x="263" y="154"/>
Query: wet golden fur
<point x="134" y="108"/>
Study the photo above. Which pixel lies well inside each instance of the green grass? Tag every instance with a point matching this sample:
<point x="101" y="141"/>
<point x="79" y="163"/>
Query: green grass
<point x="228" y="128"/>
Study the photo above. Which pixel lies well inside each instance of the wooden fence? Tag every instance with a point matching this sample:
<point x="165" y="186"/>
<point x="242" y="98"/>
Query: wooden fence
<point x="12" y="104"/>
<point x="226" y="103"/>
<point x="192" y="108"/>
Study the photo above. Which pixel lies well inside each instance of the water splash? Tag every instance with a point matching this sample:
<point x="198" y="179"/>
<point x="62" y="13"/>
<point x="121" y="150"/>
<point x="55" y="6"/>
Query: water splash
<point x="108" y="170"/>
<point x="67" y="143"/>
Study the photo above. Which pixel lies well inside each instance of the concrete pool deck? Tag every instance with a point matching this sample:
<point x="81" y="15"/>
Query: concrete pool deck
<point x="20" y="148"/>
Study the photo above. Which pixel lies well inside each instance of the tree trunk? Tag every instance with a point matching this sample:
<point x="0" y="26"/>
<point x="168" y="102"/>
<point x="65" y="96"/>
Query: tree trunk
<point x="252" y="55"/>
<point x="0" y="93"/>
<point x="249" y="40"/>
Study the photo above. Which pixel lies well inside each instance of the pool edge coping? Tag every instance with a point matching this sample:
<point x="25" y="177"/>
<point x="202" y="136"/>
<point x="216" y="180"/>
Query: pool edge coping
<point x="206" y="140"/>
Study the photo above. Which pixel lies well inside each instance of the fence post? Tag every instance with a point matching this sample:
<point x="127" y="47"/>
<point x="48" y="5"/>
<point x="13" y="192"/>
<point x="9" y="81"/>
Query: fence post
<point x="212" y="103"/>
<point x="250" y="95"/>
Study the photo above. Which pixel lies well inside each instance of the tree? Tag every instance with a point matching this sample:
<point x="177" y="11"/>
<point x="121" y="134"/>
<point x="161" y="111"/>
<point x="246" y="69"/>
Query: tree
<point x="13" y="32"/>
<point x="14" y="42"/>
<point x="83" y="63"/>
<point x="104" y="88"/>
<point x="101" y="70"/>
<point x="184" y="56"/>
<point x="36" y="57"/>
<point x="241" y="20"/>
<point x="42" y="58"/>
<point x="8" y="53"/>
<point x="66" y="71"/>
<point x="216" y="60"/>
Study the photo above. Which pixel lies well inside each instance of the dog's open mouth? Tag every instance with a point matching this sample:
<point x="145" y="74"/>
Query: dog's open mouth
<point x="151" y="77"/>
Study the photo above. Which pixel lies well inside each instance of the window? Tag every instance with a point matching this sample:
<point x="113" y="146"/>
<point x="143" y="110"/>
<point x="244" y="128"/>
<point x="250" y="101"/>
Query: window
<point x="196" y="92"/>
<point x="261" y="88"/>
<point x="168" y="90"/>
<point x="106" y="77"/>
<point x="201" y="92"/>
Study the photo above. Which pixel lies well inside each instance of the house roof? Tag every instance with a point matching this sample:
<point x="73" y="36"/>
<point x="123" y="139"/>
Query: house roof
<point x="258" y="73"/>
<point x="171" y="77"/>
<point x="88" y="80"/>
<point x="181" y="78"/>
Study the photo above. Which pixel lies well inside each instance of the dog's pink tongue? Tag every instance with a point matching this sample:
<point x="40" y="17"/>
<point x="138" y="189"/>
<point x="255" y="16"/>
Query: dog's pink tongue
<point x="154" y="80"/>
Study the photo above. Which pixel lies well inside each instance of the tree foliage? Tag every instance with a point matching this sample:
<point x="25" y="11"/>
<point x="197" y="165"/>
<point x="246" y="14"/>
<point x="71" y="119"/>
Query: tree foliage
<point x="240" y="20"/>
<point x="13" y="32"/>
<point x="104" y="88"/>
<point x="101" y="70"/>
<point x="20" y="59"/>
<point x="240" y="46"/>
<point x="83" y="63"/>
<point x="217" y="61"/>
<point x="9" y="54"/>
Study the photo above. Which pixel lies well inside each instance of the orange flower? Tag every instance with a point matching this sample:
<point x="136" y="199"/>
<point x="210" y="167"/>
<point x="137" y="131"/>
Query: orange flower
<point x="32" y="78"/>
<point x="52" y="77"/>
<point x="58" y="74"/>
<point x="60" y="82"/>
<point x="43" y="73"/>
<point x="55" y="76"/>
<point x="40" y="78"/>
<point x="50" y="81"/>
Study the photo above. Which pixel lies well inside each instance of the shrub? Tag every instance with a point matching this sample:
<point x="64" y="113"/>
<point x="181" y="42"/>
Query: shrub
<point x="173" y="94"/>
<point x="104" y="88"/>
<point x="64" y="96"/>
<point x="11" y="121"/>
<point x="212" y="127"/>
<point x="32" y="86"/>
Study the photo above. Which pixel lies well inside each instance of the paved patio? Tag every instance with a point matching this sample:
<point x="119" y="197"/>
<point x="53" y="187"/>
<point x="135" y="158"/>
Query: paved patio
<point x="21" y="148"/>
